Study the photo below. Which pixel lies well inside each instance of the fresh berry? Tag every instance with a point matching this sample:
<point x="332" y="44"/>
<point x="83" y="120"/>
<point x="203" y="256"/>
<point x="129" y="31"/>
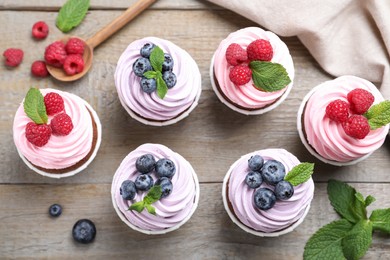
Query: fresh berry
<point x="128" y="190"/>
<point x="338" y="110"/>
<point x="145" y="163"/>
<point x="55" y="210"/>
<point x="13" y="57"/>
<point x="143" y="182"/>
<point x="38" y="135"/>
<point x="75" y="46"/>
<point x="284" y="190"/>
<point x="147" y="49"/>
<point x="141" y="65"/>
<point x="240" y="75"/>
<point x="255" y="162"/>
<point x="264" y="198"/>
<point x="148" y="85"/>
<point x="253" y="179"/>
<point x="165" y="168"/>
<point x="273" y="172"/>
<point x="84" y="231"/>
<point x="38" y="69"/>
<point x="169" y="78"/>
<point x="235" y="54"/>
<point x="61" y="124"/>
<point x="360" y="100"/>
<point x="357" y="126"/>
<point x="260" y="50"/>
<point x="73" y="64"/>
<point x="40" y="30"/>
<point x="166" y="186"/>
<point x="53" y="103"/>
<point x="168" y="63"/>
<point x="55" y="54"/>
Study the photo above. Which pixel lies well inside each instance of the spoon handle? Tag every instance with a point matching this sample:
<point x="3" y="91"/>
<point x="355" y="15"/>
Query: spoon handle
<point x="119" y="22"/>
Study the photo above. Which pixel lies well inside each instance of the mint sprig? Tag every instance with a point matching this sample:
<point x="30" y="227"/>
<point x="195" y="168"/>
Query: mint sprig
<point x="156" y="60"/>
<point x="71" y="14"/>
<point x="153" y="195"/>
<point x="34" y="106"/>
<point x="268" y="76"/>
<point x="300" y="173"/>
<point x="378" y="115"/>
<point x="357" y="241"/>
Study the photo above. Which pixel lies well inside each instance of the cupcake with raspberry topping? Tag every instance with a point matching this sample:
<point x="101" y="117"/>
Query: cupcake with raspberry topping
<point x="252" y="71"/>
<point x="343" y="121"/>
<point x="57" y="134"/>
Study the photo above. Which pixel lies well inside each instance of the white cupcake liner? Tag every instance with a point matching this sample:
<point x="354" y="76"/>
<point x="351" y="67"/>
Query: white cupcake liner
<point x="84" y="165"/>
<point x="240" y="110"/>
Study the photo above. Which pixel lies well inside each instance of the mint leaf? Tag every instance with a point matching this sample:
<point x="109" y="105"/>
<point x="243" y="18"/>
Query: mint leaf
<point x="153" y="195"/>
<point x="356" y="243"/>
<point x="151" y="209"/>
<point x="138" y="206"/>
<point x="150" y="74"/>
<point x="381" y="220"/>
<point x="157" y="58"/>
<point x="162" y="88"/>
<point x="379" y="115"/>
<point x="370" y="199"/>
<point x="71" y="14"/>
<point x="34" y="106"/>
<point x="269" y="76"/>
<point x="326" y="242"/>
<point x="360" y="197"/>
<point x="300" y="173"/>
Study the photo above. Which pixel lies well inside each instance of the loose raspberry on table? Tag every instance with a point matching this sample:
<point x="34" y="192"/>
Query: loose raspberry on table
<point x="38" y="135"/>
<point x="260" y="50"/>
<point x="338" y="110"/>
<point x="61" y="124"/>
<point x="360" y="100"/>
<point x="235" y="54"/>
<point x="38" y="69"/>
<point x="240" y="75"/>
<point x="13" y="57"/>
<point x="40" y="30"/>
<point x="73" y="64"/>
<point x="357" y="126"/>
<point x="55" y="54"/>
<point x="54" y="103"/>
<point x="74" y="46"/>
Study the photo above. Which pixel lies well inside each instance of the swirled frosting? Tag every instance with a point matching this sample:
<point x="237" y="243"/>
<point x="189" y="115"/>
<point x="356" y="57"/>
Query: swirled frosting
<point x="248" y="96"/>
<point x="61" y="151"/>
<point x="171" y="210"/>
<point x="326" y="136"/>
<point x="283" y="213"/>
<point x="150" y="106"/>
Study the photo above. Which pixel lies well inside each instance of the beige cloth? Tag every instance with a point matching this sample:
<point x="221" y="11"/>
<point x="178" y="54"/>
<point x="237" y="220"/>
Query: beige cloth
<point x="346" y="37"/>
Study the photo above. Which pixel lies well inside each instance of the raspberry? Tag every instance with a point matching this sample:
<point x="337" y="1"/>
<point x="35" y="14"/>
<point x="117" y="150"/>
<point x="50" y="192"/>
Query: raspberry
<point x="235" y="54"/>
<point x="260" y="50"/>
<point x="360" y="100"/>
<point x="54" y="103"/>
<point x="55" y="54"/>
<point x="240" y="75"/>
<point x="338" y="110"/>
<point x="13" y="57"/>
<point x="38" y="135"/>
<point x="357" y="126"/>
<point x="74" y="46"/>
<point x="38" y="69"/>
<point x="61" y="124"/>
<point x="40" y="30"/>
<point x="73" y="64"/>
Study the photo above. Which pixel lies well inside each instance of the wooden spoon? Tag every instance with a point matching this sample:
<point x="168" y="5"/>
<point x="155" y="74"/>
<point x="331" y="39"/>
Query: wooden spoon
<point x="98" y="38"/>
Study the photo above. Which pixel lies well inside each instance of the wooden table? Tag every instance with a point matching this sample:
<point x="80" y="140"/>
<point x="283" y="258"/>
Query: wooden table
<point x="211" y="138"/>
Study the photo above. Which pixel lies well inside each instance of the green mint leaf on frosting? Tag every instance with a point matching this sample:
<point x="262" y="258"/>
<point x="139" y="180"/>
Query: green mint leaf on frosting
<point x="356" y="243"/>
<point x="378" y="115"/>
<point x="162" y="88"/>
<point x="150" y="209"/>
<point x="370" y="199"/>
<point x="153" y="195"/>
<point x="300" y="173"/>
<point x="269" y="76"/>
<point x="150" y="74"/>
<point x="138" y="206"/>
<point x="34" y="106"/>
<point x="71" y="14"/>
<point x="157" y="58"/>
<point x="381" y="220"/>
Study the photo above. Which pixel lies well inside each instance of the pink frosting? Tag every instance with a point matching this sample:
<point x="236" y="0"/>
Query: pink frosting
<point x="328" y="137"/>
<point x="61" y="151"/>
<point x="150" y="106"/>
<point x="247" y="95"/>
<point x="171" y="210"/>
<point x="283" y="213"/>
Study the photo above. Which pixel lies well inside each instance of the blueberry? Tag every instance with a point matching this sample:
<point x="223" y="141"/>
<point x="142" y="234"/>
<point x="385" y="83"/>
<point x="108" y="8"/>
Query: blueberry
<point x="273" y="172"/>
<point x="55" y="210"/>
<point x="128" y="190"/>
<point x="166" y="186"/>
<point x="148" y="85"/>
<point x="168" y="62"/>
<point x="145" y="163"/>
<point x="141" y="65"/>
<point x="143" y="182"/>
<point x="165" y="168"/>
<point x="170" y="79"/>
<point x="264" y="198"/>
<point x="147" y="49"/>
<point x="255" y="162"/>
<point x="84" y="231"/>
<point x="253" y="179"/>
<point x="284" y="190"/>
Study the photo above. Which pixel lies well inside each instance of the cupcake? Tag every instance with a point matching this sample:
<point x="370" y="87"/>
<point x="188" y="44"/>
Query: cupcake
<point x="158" y="83"/>
<point x="339" y="123"/>
<point x="155" y="190"/>
<point x="57" y="134"/>
<point x="252" y="71"/>
<point x="268" y="192"/>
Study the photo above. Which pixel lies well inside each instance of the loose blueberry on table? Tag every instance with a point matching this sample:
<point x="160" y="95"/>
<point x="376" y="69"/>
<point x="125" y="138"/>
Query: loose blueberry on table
<point x="84" y="231"/>
<point x="55" y="210"/>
